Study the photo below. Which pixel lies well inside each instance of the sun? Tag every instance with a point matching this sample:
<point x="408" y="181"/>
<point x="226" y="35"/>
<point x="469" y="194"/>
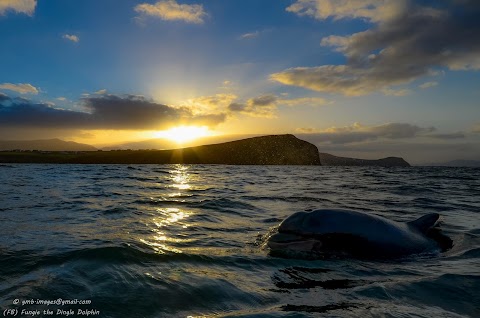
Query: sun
<point x="182" y="134"/>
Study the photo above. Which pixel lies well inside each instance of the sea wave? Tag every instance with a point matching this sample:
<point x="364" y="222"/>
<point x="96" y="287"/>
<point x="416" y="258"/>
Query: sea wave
<point x="186" y="240"/>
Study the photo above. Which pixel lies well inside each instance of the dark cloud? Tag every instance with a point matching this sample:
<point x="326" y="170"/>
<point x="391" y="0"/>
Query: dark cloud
<point x="416" y="40"/>
<point x="457" y="135"/>
<point x="359" y="133"/>
<point x="339" y="138"/>
<point x="399" y="130"/>
<point x="236" y="107"/>
<point x="21" y="113"/>
<point x="261" y="106"/>
<point x="265" y="100"/>
<point x="128" y="112"/>
<point x="206" y="120"/>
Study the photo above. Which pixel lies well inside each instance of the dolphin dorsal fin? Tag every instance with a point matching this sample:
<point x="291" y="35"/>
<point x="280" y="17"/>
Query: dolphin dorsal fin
<point x="424" y="223"/>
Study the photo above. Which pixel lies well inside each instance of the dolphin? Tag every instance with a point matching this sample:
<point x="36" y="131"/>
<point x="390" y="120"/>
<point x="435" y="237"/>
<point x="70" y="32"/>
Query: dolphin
<point x="357" y="234"/>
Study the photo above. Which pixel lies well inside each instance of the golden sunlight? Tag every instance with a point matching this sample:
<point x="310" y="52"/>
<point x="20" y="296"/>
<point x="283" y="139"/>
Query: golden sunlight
<point x="181" y="134"/>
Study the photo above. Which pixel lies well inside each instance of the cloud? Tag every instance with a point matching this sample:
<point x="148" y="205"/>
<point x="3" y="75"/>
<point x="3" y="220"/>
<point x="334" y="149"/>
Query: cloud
<point x="61" y="98"/>
<point x="20" y="88"/>
<point x="304" y="101"/>
<point x="237" y="107"/>
<point x="428" y="85"/>
<point x="101" y="92"/>
<point x="207" y="104"/>
<point x="396" y="92"/>
<point x="408" y="40"/>
<point x="264" y="100"/>
<point x="375" y="10"/>
<point x="337" y="79"/>
<point x="170" y="10"/>
<point x="71" y="37"/>
<point x="20" y="6"/>
<point x="266" y="105"/>
<point x="130" y="112"/>
<point x="360" y="133"/>
<point x="206" y="119"/>
<point x="250" y="35"/>
<point x="456" y="135"/>
<point x="227" y="83"/>
<point x="261" y="106"/>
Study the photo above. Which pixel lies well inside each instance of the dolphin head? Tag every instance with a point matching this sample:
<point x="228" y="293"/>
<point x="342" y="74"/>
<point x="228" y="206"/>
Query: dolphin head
<point x="285" y="241"/>
<point x="293" y="224"/>
<point x="292" y="235"/>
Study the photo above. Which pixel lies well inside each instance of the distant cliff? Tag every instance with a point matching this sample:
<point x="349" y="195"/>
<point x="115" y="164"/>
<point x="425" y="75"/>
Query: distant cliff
<point x="44" y="145"/>
<point x="331" y="160"/>
<point x="265" y="150"/>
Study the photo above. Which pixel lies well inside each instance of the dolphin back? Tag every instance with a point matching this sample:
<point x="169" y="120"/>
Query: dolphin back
<point x="327" y="221"/>
<point x="424" y="223"/>
<point x="358" y="234"/>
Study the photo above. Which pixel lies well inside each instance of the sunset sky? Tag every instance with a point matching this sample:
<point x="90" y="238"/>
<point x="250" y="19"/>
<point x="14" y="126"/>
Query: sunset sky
<point x="365" y="78"/>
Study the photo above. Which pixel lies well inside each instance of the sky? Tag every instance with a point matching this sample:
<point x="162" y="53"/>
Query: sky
<point x="363" y="78"/>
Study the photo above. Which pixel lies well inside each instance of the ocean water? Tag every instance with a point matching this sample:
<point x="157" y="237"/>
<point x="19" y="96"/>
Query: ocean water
<point x="189" y="240"/>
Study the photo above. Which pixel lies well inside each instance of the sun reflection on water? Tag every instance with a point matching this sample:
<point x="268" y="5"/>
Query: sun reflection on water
<point x="170" y="215"/>
<point x="180" y="177"/>
<point x="168" y="224"/>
